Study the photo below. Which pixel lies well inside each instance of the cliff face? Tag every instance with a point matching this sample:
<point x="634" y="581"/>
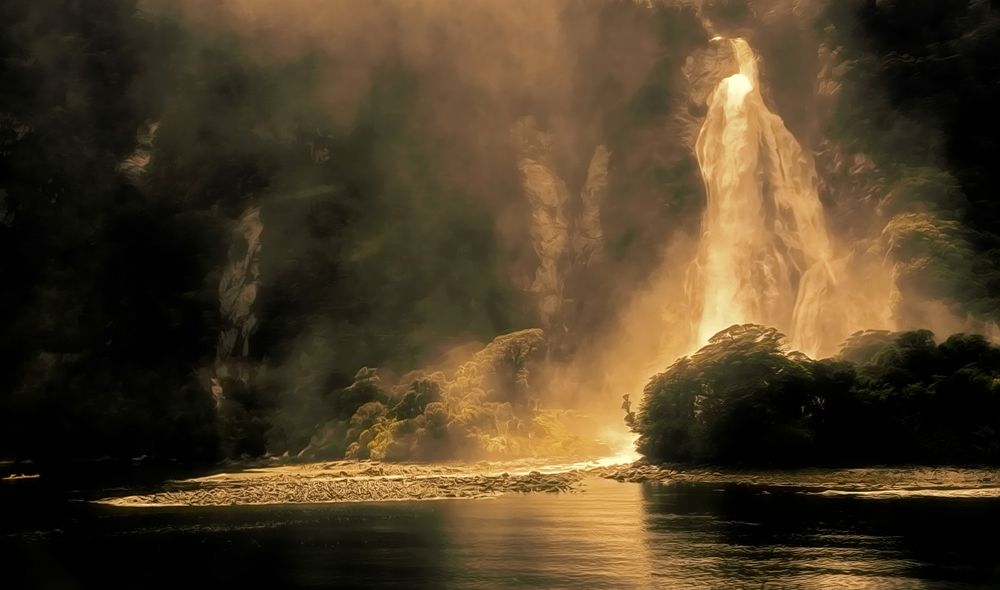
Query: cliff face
<point x="567" y="233"/>
<point x="238" y="288"/>
<point x="892" y="200"/>
<point x="588" y="234"/>
<point x="136" y="165"/>
<point x="547" y="195"/>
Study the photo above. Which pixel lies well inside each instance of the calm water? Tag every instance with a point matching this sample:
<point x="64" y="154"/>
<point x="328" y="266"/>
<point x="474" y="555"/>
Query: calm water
<point x="611" y="535"/>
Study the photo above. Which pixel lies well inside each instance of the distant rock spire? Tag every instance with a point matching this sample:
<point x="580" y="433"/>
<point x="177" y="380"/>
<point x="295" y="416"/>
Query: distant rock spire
<point x="238" y="290"/>
<point x="547" y="194"/>
<point x="136" y="165"/>
<point x="588" y="235"/>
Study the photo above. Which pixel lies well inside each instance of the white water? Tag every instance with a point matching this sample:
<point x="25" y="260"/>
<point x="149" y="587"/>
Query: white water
<point x="765" y="255"/>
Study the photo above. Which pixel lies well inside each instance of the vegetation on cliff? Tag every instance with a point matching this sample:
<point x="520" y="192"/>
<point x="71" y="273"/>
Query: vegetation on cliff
<point x="484" y="408"/>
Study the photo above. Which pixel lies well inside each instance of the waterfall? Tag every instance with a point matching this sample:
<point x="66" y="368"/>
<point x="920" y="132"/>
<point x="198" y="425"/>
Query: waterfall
<point x="765" y="255"/>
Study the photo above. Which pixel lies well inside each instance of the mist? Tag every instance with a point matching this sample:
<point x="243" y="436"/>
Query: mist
<point x="444" y="229"/>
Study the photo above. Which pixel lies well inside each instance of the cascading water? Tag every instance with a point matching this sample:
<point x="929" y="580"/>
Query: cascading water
<point x="765" y="256"/>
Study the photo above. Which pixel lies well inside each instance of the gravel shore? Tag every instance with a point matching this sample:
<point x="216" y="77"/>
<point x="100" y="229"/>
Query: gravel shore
<point x="352" y="482"/>
<point x="365" y="481"/>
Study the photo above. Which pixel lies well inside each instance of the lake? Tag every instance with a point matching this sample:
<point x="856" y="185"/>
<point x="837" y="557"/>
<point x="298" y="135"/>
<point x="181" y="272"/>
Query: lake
<point x="604" y="535"/>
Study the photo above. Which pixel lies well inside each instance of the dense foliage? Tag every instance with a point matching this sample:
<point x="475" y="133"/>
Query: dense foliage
<point x="484" y="408"/>
<point x="916" y="102"/>
<point x="887" y="398"/>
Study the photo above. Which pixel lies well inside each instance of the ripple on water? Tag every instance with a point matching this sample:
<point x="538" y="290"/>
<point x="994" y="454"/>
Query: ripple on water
<point x="604" y="535"/>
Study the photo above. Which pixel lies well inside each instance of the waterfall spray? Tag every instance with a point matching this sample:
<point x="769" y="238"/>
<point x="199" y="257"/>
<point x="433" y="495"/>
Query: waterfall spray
<point x="765" y="255"/>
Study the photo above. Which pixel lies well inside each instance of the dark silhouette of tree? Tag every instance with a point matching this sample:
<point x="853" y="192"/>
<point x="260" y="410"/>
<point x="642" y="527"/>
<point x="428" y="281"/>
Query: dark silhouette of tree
<point x="890" y="398"/>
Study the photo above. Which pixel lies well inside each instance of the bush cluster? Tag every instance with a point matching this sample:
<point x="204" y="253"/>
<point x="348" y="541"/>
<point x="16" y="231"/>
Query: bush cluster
<point x="886" y="398"/>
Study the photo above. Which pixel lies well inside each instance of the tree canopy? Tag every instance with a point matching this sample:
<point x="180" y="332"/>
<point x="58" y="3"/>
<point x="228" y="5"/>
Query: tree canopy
<point x="886" y="398"/>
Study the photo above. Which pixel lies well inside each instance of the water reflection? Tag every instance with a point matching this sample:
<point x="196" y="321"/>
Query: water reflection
<point x="611" y="535"/>
<point x="742" y="537"/>
<point x="754" y="541"/>
<point x="592" y="539"/>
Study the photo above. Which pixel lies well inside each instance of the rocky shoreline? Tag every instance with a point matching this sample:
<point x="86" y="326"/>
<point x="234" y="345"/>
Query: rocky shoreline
<point x="350" y="482"/>
<point x="346" y="481"/>
<point x="866" y="482"/>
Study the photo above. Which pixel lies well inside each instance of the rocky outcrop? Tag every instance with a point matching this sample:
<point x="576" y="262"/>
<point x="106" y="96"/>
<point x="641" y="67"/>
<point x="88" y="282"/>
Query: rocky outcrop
<point x="547" y="195"/>
<point x="238" y="290"/>
<point x="567" y="236"/>
<point x="136" y="165"/>
<point x="588" y="235"/>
